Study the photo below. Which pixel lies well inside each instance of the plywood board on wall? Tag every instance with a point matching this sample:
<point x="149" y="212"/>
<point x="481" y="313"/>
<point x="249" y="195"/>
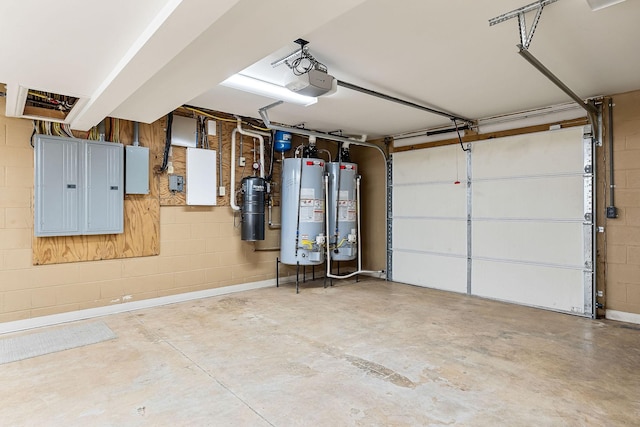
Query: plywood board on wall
<point x="177" y="159"/>
<point x="141" y="235"/>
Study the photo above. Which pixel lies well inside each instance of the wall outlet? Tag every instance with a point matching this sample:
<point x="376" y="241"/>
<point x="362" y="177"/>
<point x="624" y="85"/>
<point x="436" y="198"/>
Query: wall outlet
<point x="221" y="191"/>
<point x="242" y="161"/>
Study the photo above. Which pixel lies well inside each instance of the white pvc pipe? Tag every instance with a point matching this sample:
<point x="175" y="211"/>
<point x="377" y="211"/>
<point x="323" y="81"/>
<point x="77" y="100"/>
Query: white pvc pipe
<point x="238" y="129"/>
<point x="326" y="202"/>
<point x="232" y="196"/>
<point x="260" y="139"/>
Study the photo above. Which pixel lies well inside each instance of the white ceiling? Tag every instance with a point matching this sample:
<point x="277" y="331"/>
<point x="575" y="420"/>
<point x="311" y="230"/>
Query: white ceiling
<point x="140" y="59"/>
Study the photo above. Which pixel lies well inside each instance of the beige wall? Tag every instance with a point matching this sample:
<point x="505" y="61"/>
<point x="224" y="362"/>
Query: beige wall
<point x="622" y="271"/>
<point x="199" y="249"/>
<point x="371" y="166"/>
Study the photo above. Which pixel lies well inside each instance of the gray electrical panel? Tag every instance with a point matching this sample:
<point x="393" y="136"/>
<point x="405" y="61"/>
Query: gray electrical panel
<point x="184" y="131"/>
<point x="136" y="175"/>
<point x="104" y="190"/>
<point x="78" y="187"/>
<point x="58" y="183"/>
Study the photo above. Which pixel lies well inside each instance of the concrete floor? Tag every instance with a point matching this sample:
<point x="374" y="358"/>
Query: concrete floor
<point x="368" y="353"/>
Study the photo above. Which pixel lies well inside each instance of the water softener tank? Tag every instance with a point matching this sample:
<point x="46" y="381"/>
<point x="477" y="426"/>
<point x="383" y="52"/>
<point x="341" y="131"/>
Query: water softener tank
<point x="302" y="212"/>
<point x="342" y="210"/>
<point x="252" y="208"/>
<point x="282" y="141"/>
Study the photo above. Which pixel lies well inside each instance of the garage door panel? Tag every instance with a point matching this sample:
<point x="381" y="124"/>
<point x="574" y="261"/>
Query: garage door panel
<point x="430" y="200"/>
<point x="529" y="285"/>
<point x="428" y="235"/>
<point x="535" y="198"/>
<point x="543" y="153"/>
<point x="536" y="242"/>
<point x="526" y="203"/>
<point x="432" y="271"/>
<point x="428" y="165"/>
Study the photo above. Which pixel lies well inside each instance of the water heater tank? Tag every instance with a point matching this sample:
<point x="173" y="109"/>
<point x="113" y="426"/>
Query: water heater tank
<point x="342" y="211"/>
<point x="302" y="212"/>
<point x="252" y="208"/>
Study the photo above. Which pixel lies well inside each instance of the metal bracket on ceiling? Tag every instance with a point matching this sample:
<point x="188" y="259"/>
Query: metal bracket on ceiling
<point x="303" y="48"/>
<point x="525" y="37"/>
<point x="594" y="112"/>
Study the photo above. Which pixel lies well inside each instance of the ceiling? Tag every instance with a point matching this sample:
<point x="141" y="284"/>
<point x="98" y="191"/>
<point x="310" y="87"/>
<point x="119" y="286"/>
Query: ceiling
<point x="140" y="59"/>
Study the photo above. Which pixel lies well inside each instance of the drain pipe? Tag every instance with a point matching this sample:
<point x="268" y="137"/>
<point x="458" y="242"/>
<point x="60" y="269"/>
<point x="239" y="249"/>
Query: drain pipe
<point x="260" y="139"/>
<point x="236" y="130"/>
<point x="232" y="195"/>
<point x="328" y="261"/>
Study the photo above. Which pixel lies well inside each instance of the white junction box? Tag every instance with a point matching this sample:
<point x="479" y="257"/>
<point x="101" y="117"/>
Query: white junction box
<point x="201" y="177"/>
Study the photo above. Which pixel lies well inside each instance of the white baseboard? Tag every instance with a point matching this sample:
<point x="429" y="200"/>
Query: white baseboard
<point x="72" y="316"/>
<point x="623" y="316"/>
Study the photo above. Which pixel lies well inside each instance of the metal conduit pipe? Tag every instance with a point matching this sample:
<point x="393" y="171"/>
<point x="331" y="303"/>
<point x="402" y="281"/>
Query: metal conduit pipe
<point x="102" y="130"/>
<point x="322" y="150"/>
<point x="271" y="224"/>
<point x="611" y="209"/>
<point x="136" y="134"/>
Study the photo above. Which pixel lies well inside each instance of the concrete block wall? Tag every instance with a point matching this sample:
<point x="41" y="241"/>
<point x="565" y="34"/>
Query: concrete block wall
<point x="622" y="291"/>
<point x="200" y="248"/>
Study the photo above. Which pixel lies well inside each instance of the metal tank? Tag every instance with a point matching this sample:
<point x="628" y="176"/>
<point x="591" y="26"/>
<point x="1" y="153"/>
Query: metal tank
<point x="342" y="210"/>
<point x="302" y="212"/>
<point x="252" y="208"/>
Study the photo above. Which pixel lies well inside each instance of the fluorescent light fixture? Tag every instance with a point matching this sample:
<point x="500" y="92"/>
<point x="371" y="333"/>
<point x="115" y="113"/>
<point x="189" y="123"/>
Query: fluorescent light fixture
<point x="601" y="4"/>
<point x="270" y="90"/>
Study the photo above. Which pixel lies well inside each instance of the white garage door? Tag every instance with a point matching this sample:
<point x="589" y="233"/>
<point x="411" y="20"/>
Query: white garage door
<point x="514" y="229"/>
<point x="430" y="218"/>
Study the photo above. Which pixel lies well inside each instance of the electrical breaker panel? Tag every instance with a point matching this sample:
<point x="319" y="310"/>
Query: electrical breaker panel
<point x="78" y="187"/>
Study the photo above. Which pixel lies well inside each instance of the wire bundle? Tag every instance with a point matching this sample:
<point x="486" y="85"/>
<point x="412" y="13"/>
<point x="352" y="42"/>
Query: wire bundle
<point x="304" y="63"/>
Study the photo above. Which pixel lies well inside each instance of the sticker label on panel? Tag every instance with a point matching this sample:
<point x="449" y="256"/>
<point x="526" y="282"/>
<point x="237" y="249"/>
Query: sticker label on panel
<point x="311" y="210"/>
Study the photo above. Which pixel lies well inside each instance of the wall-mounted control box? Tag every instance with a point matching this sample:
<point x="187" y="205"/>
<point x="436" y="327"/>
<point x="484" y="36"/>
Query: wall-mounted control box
<point x="176" y="183"/>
